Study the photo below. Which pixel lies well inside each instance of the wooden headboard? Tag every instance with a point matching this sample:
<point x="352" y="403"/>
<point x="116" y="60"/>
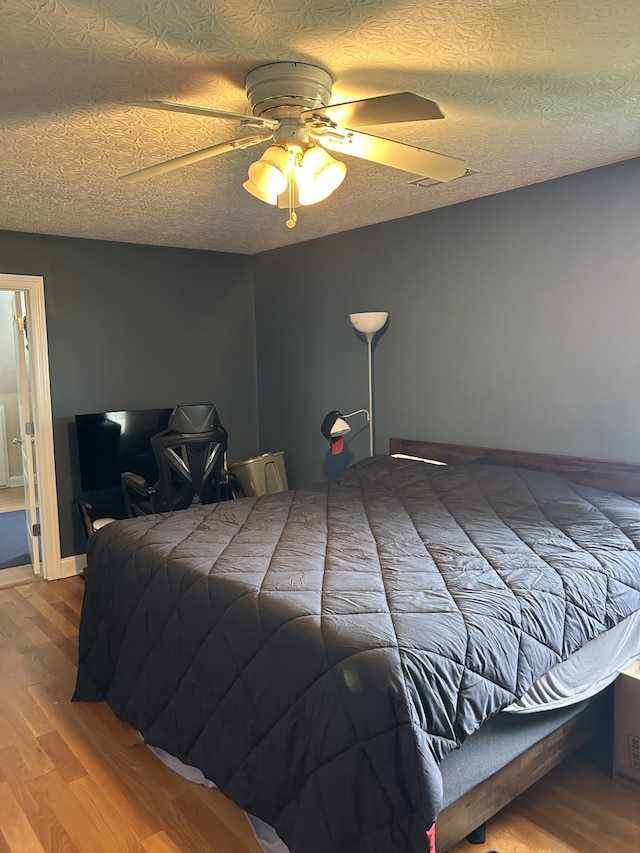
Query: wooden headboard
<point x="621" y="477"/>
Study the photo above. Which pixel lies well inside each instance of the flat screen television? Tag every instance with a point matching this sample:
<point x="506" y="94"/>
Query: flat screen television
<point x="110" y="443"/>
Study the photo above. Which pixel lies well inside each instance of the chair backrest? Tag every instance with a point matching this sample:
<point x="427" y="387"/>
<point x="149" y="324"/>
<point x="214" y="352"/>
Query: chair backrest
<point x="190" y="455"/>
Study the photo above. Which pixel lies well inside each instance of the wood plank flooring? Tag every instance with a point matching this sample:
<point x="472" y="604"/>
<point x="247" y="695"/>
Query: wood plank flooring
<point x="74" y="779"/>
<point x="11" y="498"/>
<point x="72" y="776"/>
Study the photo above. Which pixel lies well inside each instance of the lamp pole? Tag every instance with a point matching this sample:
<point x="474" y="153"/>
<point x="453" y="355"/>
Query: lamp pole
<point x="369" y="337"/>
<point x="368" y="324"/>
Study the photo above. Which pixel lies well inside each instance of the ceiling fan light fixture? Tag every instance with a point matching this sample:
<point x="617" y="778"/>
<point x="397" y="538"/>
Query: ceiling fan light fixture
<point x="318" y="175"/>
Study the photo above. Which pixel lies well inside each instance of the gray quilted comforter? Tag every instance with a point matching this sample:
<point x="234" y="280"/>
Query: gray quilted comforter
<point x="317" y="652"/>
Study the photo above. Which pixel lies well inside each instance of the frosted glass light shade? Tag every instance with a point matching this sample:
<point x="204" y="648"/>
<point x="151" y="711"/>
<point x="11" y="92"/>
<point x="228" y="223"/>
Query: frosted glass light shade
<point x="268" y="175"/>
<point x="318" y="175"/>
<point x="254" y="189"/>
<point x="369" y="322"/>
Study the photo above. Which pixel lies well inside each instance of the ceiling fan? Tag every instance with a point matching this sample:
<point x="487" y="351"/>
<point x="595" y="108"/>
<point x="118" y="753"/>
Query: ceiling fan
<point x="290" y="105"/>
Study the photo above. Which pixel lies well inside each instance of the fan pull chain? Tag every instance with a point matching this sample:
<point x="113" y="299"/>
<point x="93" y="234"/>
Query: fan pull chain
<point x="293" y="216"/>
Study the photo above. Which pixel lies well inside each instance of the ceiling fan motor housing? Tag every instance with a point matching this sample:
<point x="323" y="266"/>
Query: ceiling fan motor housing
<point x="285" y="89"/>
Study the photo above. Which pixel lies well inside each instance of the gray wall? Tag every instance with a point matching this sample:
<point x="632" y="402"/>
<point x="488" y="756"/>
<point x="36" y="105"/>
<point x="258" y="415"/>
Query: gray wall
<point x="513" y="323"/>
<point x="134" y="327"/>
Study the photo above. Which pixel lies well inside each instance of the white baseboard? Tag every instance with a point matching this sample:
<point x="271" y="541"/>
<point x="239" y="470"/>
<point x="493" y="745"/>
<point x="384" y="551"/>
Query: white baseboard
<point x="16" y="575"/>
<point x="16" y="480"/>
<point x="70" y="566"/>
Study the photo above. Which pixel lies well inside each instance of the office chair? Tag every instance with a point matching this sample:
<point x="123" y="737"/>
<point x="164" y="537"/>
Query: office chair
<point x="191" y="459"/>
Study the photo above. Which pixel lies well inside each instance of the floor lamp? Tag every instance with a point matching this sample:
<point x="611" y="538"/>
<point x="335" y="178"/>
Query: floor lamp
<point x="368" y="323"/>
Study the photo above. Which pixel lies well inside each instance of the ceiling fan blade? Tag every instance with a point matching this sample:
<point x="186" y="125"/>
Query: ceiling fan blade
<point x="192" y="157"/>
<point x="395" y="154"/>
<point x="169" y="106"/>
<point x="385" y="109"/>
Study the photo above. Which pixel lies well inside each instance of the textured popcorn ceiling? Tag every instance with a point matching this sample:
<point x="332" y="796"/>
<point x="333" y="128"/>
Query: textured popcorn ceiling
<point x="531" y="90"/>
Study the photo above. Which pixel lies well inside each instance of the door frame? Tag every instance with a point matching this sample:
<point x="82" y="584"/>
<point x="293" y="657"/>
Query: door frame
<point x="33" y="286"/>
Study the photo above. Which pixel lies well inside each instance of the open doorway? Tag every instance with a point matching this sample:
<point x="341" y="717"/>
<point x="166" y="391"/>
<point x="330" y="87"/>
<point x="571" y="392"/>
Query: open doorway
<point x="26" y="431"/>
<point x="14" y="546"/>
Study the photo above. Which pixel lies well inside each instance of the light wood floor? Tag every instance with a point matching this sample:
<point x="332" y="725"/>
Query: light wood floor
<point x="74" y="778"/>
<point x="12" y="498"/>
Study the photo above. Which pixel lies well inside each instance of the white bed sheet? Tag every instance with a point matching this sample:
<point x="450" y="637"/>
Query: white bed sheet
<point x="587" y="672"/>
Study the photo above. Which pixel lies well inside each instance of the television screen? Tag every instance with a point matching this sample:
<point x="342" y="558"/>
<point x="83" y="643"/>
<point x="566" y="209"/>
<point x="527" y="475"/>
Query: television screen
<point x="110" y="443"/>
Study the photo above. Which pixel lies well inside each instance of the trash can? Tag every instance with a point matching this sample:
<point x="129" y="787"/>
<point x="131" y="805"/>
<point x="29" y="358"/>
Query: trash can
<point x="262" y="475"/>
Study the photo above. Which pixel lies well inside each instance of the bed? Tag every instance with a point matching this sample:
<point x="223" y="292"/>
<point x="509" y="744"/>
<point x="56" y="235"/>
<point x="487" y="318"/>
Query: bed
<point x="337" y="658"/>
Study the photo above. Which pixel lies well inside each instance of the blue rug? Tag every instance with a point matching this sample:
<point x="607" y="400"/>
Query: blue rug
<point x="14" y="547"/>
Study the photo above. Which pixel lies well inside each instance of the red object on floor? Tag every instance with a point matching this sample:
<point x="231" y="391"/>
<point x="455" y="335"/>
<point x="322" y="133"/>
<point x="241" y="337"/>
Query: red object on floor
<point x="431" y="838"/>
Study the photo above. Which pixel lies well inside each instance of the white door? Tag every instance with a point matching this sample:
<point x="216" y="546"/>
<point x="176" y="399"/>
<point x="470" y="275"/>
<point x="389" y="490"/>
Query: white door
<point x="27" y="437"/>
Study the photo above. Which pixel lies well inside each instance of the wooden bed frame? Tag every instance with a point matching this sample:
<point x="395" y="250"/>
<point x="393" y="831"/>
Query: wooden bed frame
<point x="621" y="477"/>
<point x="486" y="799"/>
